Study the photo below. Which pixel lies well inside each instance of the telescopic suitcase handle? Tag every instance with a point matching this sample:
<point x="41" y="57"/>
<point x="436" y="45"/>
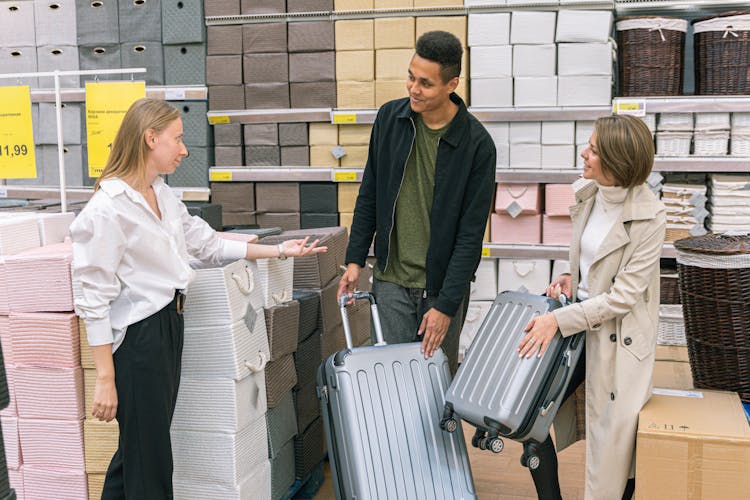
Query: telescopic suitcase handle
<point x="375" y="316"/>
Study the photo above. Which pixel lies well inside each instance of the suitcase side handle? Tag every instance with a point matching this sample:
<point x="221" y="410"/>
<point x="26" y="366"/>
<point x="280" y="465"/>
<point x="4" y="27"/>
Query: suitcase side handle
<point x="560" y="384"/>
<point x="375" y="316"/>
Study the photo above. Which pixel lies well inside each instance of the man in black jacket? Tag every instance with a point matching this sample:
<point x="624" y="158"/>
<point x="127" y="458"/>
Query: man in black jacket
<point x="426" y="194"/>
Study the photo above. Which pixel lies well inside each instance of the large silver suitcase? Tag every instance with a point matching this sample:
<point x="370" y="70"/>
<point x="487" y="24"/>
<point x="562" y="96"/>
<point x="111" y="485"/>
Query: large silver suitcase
<point x="504" y="395"/>
<point x="381" y="410"/>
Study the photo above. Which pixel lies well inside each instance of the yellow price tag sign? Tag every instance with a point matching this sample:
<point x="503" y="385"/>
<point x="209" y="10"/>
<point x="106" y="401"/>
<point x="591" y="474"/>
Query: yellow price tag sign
<point x="17" y="158"/>
<point x="218" y="120"/>
<point x="635" y="108"/>
<point x="345" y="177"/>
<point x="485" y="252"/>
<point x="220" y="176"/>
<point x="344" y="118"/>
<point x="106" y="105"/>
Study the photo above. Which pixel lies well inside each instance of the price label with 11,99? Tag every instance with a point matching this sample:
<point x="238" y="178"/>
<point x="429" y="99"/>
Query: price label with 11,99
<point x="17" y="159"/>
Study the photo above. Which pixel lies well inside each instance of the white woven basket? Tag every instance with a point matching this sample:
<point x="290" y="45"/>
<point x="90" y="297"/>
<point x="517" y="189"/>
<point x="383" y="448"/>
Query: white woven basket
<point x="711" y="121"/>
<point x="741" y="122"/>
<point x="673" y="143"/>
<point x="671" y="329"/>
<point x="711" y="143"/>
<point x="675" y="122"/>
<point x="741" y="143"/>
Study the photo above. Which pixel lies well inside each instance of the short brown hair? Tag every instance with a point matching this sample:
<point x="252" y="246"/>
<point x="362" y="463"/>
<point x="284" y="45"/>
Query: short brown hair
<point x="626" y="149"/>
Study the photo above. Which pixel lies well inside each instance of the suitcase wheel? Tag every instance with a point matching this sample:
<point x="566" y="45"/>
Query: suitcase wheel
<point x="529" y="458"/>
<point x="495" y="444"/>
<point x="533" y="462"/>
<point x="449" y="424"/>
<point x="478" y="435"/>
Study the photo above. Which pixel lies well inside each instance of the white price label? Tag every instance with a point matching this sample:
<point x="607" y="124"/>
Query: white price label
<point x="3" y="191"/>
<point x="174" y="95"/>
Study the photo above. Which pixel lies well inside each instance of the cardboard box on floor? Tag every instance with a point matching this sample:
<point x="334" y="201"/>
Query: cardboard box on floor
<point x="672" y="375"/>
<point x="693" y="445"/>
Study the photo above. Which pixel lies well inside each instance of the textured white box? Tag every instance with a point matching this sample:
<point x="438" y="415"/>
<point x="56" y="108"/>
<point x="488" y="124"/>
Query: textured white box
<point x="484" y="287"/>
<point x="525" y="155"/>
<point x="584" y="26"/>
<point x="558" y="132"/>
<point x="584" y="129"/>
<point x="534" y="60"/>
<point x="535" y="91"/>
<point x="558" y="156"/>
<point x="533" y="275"/>
<point x="492" y="92"/>
<point x="500" y="132"/>
<point x="489" y="29"/>
<point x="576" y="59"/>
<point x="525" y="133"/>
<point x="532" y="27"/>
<point x="579" y="150"/>
<point x="584" y="91"/>
<point x="491" y="61"/>
<point x="502" y="155"/>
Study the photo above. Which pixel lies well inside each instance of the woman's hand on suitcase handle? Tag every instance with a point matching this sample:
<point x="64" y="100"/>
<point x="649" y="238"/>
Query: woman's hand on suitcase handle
<point x="539" y="333"/>
<point x="348" y="282"/>
<point x="434" y="327"/>
<point x="563" y="284"/>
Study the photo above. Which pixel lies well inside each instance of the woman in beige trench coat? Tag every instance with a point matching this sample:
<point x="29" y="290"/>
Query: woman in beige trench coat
<point x="618" y="233"/>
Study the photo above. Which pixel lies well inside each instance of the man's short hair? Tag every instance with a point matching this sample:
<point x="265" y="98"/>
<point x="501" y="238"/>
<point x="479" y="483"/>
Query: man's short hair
<point x="443" y="48"/>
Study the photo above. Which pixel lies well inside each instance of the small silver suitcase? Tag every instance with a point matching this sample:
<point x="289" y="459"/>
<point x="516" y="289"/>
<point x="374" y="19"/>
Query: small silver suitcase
<point x="381" y="409"/>
<point x="504" y="395"/>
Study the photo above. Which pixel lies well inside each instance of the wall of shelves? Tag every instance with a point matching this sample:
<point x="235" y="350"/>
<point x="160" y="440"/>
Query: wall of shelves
<point x="498" y="251"/>
<point x="170" y="93"/>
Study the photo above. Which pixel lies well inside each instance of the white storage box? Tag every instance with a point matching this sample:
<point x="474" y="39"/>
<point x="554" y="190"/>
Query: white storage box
<point x="534" y="60"/>
<point x="475" y="315"/>
<point x="558" y="156"/>
<point x="525" y="155"/>
<point x="530" y="27"/>
<point x="554" y="133"/>
<point x="673" y="143"/>
<point x="714" y="143"/>
<point x="499" y="131"/>
<point x="220" y="295"/>
<point x="484" y="287"/>
<point x="583" y="26"/>
<point x="584" y="129"/>
<point x="489" y="29"/>
<point x="492" y="92"/>
<point x="650" y="120"/>
<point x="535" y="91"/>
<point x="525" y="132"/>
<point x="711" y="121"/>
<point x="275" y="279"/>
<point x="502" y="155"/>
<point x="559" y="267"/>
<point x="527" y="275"/>
<point x="584" y="91"/>
<point x="741" y="144"/>
<point x="741" y="122"/>
<point x="491" y="61"/>
<point x="675" y="122"/>
<point x="579" y="150"/>
<point x="581" y="59"/>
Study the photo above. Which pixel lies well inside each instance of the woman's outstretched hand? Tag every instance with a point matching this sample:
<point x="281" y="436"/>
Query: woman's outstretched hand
<point x="300" y="248"/>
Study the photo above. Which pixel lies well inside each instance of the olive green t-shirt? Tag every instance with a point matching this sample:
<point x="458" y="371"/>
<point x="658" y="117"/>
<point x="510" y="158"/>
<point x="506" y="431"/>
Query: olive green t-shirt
<point x="410" y="237"/>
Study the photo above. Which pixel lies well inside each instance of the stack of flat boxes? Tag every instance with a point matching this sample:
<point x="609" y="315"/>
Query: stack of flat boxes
<point x="265" y="65"/>
<point x="224" y="48"/>
<point x="198" y="139"/>
<point x="184" y="36"/>
<point x="517" y="216"/>
<point x="278" y="205"/>
<point x="355" y="64"/>
<point x="237" y="201"/>
<point x="261" y="145"/>
<point x="140" y="38"/>
<point x="318" y="205"/>
<point x="347" y="198"/>
<point x="557" y="227"/>
<point x="323" y="139"/>
<point x="312" y="64"/>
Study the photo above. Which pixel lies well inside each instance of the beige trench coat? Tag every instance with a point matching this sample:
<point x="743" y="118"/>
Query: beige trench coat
<point x="620" y="320"/>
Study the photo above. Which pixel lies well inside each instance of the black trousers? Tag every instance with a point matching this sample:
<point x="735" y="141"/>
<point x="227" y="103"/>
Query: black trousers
<point x="147" y="377"/>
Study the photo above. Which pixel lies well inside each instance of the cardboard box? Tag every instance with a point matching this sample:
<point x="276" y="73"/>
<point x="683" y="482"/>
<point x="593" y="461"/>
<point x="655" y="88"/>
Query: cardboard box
<point x="437" y="3"/>
<point x="356" y="156"/>
<point x="489" y="29"/>
<point x="492" y="62"/>
<point x="461" y="90"/>
<point x="529" y="27"/>
<point x="534" y="60"/>
<point x="535" y="91"/>
<point x="347" y="196"/>
<point x="394" y="33"/>
<point x="451" y="24"/>
<point x="355" y="95"/>
<point x="492" y="92"/>
<point x="323" y="134"/>
<point x="355" y="135"/>
<point x="320" y="156"/>
<point x="558" y="132"/>
<point x="672" y="375"/>
<point x="387" y="90"/>
<point x="392" y="64"/>
<point x="355" y="34"/>
<point x="393" y="4"/>
<point x="525" y="133"/>
<point x="345" y="220"/>
<point x="355" y="65"/>
<point x="672" y="353"/>
<point x="584" y="90"/>
<point x="693" y="445"/>
<point x="353" y="4"/>
<point x="580" y="59"/>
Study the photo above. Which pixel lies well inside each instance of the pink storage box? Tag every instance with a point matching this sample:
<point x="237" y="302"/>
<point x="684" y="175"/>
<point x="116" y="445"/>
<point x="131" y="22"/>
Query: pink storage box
<point x="6" y="340"/>
<point x="526" y="196"/>
<point x="524" y="229"/>
<point x="53" y="393"/>
<point x="43" y="484"/>
<point x="557" y="230"/>
<point x="16" y="482"/>
<point x="39" y="279"/>
<point x="45" y="339"/>
<point x="10" y="375"/>
<point x="52" y="444"/>
<point x="4" y="307"/>
<point x="558" y="198"/>
<point x="11" y="442"/>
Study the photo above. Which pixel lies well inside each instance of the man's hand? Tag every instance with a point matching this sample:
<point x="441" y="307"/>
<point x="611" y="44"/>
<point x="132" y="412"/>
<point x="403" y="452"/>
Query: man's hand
<point x="434" y="326"/>
<point x="349" y="281"/>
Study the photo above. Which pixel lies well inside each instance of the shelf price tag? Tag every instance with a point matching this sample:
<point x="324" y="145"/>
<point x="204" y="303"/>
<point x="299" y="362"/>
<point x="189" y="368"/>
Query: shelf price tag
<point x="485" y="252"/>
<point x="221" y="176"/>
<point x="218" y="120"/>
<point x="634" y="107"/>
<point x="106" y="104"/>
<point x="17" y="158"/>
<point x="345" y="177"/>
<point x="343" y="118"/>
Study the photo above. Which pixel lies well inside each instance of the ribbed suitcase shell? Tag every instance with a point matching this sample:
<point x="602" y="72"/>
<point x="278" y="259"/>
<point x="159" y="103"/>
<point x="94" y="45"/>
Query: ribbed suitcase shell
<point x="495" y="388"/>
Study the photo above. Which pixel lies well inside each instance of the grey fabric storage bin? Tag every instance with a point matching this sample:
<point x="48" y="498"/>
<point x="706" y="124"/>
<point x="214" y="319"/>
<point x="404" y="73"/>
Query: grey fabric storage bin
<point x="295" y="156"/>
<point x="182" y="21"/>
<point x="73" y="158"/>
<point x="140" y="20"/>
<point x="209" y="212"/>
<point x="233" y="219"/>
<point x="262" y="156"/>
<point x="281" y="425"/>
<point x="195" y="128"/>
<point x="19" y="60"/>
<point x="35" y="121"/>
<point x="193" y="170"/>
<point x="307" y="357"/>
<point x="309" y="5"/>
<point x="309" y="310"/>
<point x="312" y="67"/>
<point x="226" y="97"/>
<point x="221" y="7"/>
<point x="260" y="134"/>
<point x="282" y="321"/>
<point x="313" y="95"/>
<point x="286" y="221"/>
<point x="309" y="445"/>
<point x="55" y="22"/>
<point x="71" y="123"/>
<point x="185" y="64"/>
<point x="283" y="469"/>
<point x="234" y="196"/>
<point x="293" y="134"/>
<point x="228" y="134"/>
<point x="262" y="6"/>
<point x="311" y="36"/>
<point x="62" y="57"/>
<point x="228" y="156"/>
<point x="97" y="22"/>
<point x="100" y="56"/>
<point x="277" y="197"/>
<point x="267" y="95"/>
<point x="266" y="68"/>
<point x="147" y="55"/>
<point x="313" y="220"/>
<point x="17" y="27"/>
<point x="319" y="197"/>
<point x="224" y="70"/>
<point x="280" y="379"/>
<point x="260" y="38"/>
<point x="223" y="40"/>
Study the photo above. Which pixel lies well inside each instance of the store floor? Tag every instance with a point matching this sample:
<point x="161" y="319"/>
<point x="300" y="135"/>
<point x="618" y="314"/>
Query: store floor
<point x="501" y="477"/>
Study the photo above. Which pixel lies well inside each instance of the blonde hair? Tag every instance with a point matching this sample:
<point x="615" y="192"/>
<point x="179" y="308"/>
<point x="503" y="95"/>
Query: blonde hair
<point x="129" y="149"/>
<point x="626" y="149"/>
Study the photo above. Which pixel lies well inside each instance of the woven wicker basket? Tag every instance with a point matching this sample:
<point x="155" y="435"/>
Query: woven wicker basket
<point x="671" y="326"/>
<point x="722" y="54"/>
<point x="715" y="143"/>
<point x="741" y="144"/>
<point x="673" y="143"/>
<point x="669" y="289"/>
<point x="650" y="53"/>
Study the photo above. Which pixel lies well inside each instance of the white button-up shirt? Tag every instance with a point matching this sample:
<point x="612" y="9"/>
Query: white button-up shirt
<point x="129" y="263"/>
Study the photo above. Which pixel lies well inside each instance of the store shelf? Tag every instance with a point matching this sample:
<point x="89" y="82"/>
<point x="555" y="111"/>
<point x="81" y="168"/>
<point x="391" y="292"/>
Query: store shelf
<point x="685" y="104"/>
<point x="270" y="115"/>
<point x="540" y="114"/>
<point x="287" y="174"/>
<point x="170" y="93"/>
<point x="496" y="250"/>
<point x="563" y="176"/>
<point x="76" y="194"/>
<point x="702" y="164"/>
<point x="636" y="6"/>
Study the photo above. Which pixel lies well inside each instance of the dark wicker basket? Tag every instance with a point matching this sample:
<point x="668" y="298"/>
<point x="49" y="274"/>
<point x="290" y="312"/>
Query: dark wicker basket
<point x="722" y="58"/>
<point x="716" y="307"/>
<point x="670" y="289"/>
<point x="649" y="60"/>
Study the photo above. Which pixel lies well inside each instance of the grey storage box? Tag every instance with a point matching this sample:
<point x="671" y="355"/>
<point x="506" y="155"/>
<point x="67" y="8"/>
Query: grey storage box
<point x="195" y="128"/>
<point x="282" y="321"/>
<point x="224" y="70"/>
<point x="309" y="448"/>
<point x="282" y="468"/>
<point x="286" y="221"/>
<point x="73" y="158"/>
<point x="99" y="56"/>
<point x="226" y="97"/>
<point x="19" y="60"/>
<point x="228" y="134"/>
<point x="140" y="20"/>
<point x="71" y="123"/>
<point x="277" y="197"/>
<point x="260" y="38"/>
<point x="266" y="68"/>
<point x="309" y="5"/>
<point x="319" y="197"/>
<point x="234" y="196"/>
<point x="280" y="379"/>
<point x="182" y="21"/>
<point x="261" y="134"/>
<point x="281" y="423"/>
<point x="309" y="310"/>
<point x="295" y="156"/>
<point x="311" y="36"/>
<point x="292" y="134"/>
<point x="262" y="6"/>
<point x="97" y="22"/>
<point x="55" y="22"/>
<point x="235" y="219"/>
<point x="267" y="95"/>
<point x="313" y="220"/>
<point x="221" y="7"/>
<point x="312" y="67"/>
<point x="60" y="57"/>
<point x="262" y="156"/>
<point x="228" y="156"/>
<point x="17" y="27"/>
<point x="307" y="357"/>
<point x="209" y="212"/>
<point x="147" y="55"/>
<point x="313" y="95"/>
<point x="185" y="64"/>
<point x="193" y="170"/>
<point x="306" y="403"/>
<point x="224" y="40"/>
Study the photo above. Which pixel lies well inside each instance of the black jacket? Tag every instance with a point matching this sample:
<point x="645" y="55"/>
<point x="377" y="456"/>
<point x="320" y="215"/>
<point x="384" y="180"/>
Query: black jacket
<point x="464" y="185"/>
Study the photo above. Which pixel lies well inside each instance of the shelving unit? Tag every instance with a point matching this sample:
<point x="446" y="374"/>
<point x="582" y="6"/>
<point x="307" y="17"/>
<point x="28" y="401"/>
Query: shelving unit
<point x="285" y="174"/>
<point x="687" y="104"/>
<point x="169" y="93"/>
<point x="85" y="193"/>
<point x="499" y="251"/>
<point x="629" y="7"/>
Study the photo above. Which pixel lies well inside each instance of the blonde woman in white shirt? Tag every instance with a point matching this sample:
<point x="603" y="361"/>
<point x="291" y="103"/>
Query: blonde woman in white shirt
<point x="131" y="245"/>
<point x="618" y="233"/>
